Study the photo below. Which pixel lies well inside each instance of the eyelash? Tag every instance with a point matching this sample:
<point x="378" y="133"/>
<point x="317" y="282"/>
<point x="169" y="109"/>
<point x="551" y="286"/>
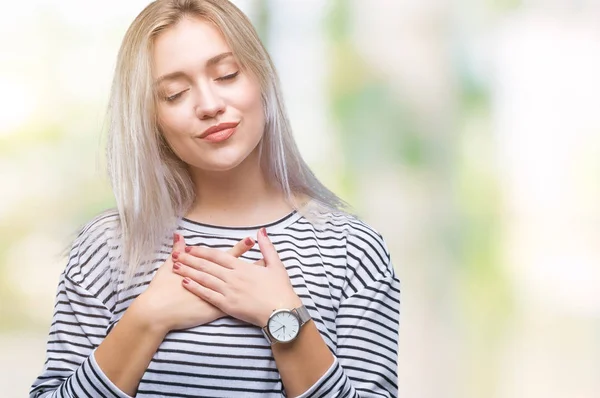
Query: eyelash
<point x="174" y="97"/>
<point x="229" y="77"/>
<point x="223" y="78"/>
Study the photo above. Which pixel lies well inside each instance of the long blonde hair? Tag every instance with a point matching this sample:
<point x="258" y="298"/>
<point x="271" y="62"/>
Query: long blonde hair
<point x="152" y="187"/>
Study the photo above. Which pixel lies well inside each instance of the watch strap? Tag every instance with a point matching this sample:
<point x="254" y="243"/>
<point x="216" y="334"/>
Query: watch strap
<point x="303" y="314"/>
<point x="268" y="335"/>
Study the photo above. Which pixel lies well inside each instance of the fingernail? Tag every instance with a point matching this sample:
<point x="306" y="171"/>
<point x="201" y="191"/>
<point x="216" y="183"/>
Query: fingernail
<point x="248" y="242"/>
<point x="188" y="249"/>
<point x="175" y="255"/>
<point x="263" y="231"/>
<point x="175" y="238"/>
<point x="186" y="281"/>
<point x="176" y="266"/>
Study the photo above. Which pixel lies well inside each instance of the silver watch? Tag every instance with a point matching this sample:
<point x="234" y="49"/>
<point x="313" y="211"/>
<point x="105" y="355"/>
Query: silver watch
<point x="284" y="325"/>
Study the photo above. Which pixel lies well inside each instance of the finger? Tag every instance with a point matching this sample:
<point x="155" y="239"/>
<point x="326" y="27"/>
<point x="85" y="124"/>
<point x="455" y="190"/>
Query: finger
<point x="204" y="279"/>
<point x="206" y="294"/>
<point x="241" y="247"/>
<point x="267" y="249"/>
<point x="260" y="262"/>
<point x="178" y="242"/>
<point x="178" y="247"/>
<point x="212" y="255"/>
<point x="202" y="265"/>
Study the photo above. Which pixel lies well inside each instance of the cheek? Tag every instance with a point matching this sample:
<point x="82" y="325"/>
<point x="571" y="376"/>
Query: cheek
<point x="167" y="119"/>
<point x="173" y="126"/>
<point x="250" y="103"/>
<point x="173" y="123"/>
<point x="251" y="98"/>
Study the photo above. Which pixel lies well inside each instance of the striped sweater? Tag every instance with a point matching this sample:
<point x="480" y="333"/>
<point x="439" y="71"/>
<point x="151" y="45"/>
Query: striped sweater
<point x="342" y="272"/>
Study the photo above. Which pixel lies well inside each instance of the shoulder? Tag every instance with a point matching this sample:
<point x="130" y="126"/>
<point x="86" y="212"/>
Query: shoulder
<point x="89" y="253"/>
<point x="367" y="256"/>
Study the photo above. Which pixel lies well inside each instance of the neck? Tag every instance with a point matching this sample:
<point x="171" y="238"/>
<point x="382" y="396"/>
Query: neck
<point x="238" y="197"/>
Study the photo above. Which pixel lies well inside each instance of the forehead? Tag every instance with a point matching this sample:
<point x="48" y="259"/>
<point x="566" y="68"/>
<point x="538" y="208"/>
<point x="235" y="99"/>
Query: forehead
<point x="188" y="44"/>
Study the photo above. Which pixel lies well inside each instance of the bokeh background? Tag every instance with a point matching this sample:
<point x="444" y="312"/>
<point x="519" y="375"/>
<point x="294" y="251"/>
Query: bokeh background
<point x="467" y="132"/>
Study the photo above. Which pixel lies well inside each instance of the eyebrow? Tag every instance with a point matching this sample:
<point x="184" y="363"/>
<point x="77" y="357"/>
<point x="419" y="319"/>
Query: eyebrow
<point x="175" y="75"/>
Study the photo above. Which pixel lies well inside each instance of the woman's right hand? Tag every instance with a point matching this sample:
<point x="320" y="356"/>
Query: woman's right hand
<point x="166" y="305"/>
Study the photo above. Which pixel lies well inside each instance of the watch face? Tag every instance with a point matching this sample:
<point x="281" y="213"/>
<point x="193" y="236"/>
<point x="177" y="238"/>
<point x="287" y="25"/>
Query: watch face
<point x="284" y="326"/>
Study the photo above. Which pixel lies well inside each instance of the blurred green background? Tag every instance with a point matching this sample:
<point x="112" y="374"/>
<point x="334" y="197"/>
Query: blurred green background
<point x="466" y="132"/>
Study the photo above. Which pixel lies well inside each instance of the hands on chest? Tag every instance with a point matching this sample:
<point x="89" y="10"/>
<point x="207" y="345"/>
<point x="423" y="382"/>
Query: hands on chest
<point x="197" y="285"/>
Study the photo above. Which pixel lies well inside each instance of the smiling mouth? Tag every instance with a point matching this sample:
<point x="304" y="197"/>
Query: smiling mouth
<point x="218" y="128"/>
<point x="220" y="135"/>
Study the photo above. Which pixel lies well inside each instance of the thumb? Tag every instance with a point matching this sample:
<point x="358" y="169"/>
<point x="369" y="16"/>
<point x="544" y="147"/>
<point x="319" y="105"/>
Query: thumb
<point x="266" y="248"/>
<point x="178" y="242"/>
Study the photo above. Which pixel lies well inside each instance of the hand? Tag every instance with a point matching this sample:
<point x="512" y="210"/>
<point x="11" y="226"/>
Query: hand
<point x="242" y="291"/>
<point x="167" y="306"/>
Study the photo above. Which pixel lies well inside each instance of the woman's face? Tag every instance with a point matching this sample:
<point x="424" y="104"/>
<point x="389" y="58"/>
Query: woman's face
<point x="200" y="86"/>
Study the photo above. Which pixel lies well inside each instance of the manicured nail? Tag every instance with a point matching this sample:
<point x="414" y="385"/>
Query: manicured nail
<point x="175" y="255"/>
<point x="248" y="242"/>
<point x="188" y="249"/>
<point x="186" y="281"/>
<point x="263" y="231"/>
<point x="175" y="238"/>
<point x="176" y="266"/>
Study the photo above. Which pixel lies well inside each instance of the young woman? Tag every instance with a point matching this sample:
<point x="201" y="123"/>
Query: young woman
<point x="200" y="150"/>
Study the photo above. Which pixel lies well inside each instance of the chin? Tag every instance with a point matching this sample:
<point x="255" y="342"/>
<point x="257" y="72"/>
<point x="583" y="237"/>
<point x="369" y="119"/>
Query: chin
<point x="220" y="159"/>
<point x="220" y="162"/>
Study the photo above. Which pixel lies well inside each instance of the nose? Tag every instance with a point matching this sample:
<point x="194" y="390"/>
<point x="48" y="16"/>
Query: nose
<point x="209" y="103"/>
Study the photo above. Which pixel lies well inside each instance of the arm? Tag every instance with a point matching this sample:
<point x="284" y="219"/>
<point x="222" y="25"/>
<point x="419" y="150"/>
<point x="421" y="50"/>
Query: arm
<point x="366" y="357"/>
<point x="128" y="349"/>
<point x="78" y="325"/>
<point x="304" y="361"/>
<point x="365" y="364"/>
<point x="367" y="346"/>
<point x="367" y="316"/>
<point x="82" y="361"/>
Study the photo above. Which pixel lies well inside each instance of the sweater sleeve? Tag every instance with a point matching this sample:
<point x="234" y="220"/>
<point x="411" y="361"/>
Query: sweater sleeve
<point x="366" y="358"/>
<point x="79" y="324"/>
<point x="70" y="369"/>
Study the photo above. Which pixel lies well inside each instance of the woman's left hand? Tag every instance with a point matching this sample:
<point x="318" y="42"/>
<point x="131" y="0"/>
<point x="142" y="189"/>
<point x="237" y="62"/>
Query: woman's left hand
<point x="243" y="290"/>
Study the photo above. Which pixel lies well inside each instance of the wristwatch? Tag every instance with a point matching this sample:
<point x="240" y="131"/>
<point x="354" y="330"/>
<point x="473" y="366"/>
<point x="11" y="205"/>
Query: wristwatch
<point x="284" y="325"/>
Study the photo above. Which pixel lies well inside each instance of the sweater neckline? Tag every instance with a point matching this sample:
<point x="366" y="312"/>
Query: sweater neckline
<point x="243" y="231"/>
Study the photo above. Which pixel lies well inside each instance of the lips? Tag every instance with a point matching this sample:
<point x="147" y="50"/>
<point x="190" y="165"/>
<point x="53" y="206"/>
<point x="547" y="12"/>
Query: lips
<point x="217" y="128"/>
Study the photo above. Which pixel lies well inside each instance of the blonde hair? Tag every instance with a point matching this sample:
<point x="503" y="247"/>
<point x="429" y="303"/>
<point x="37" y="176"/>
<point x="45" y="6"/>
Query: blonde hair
<point x="152" y="187"/>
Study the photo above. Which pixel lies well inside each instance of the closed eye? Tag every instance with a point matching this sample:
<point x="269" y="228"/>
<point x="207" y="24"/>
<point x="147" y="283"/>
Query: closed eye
<point x="228" y="77"/>
<point x="222" y="78"/>
<point x="175" y="96"/>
